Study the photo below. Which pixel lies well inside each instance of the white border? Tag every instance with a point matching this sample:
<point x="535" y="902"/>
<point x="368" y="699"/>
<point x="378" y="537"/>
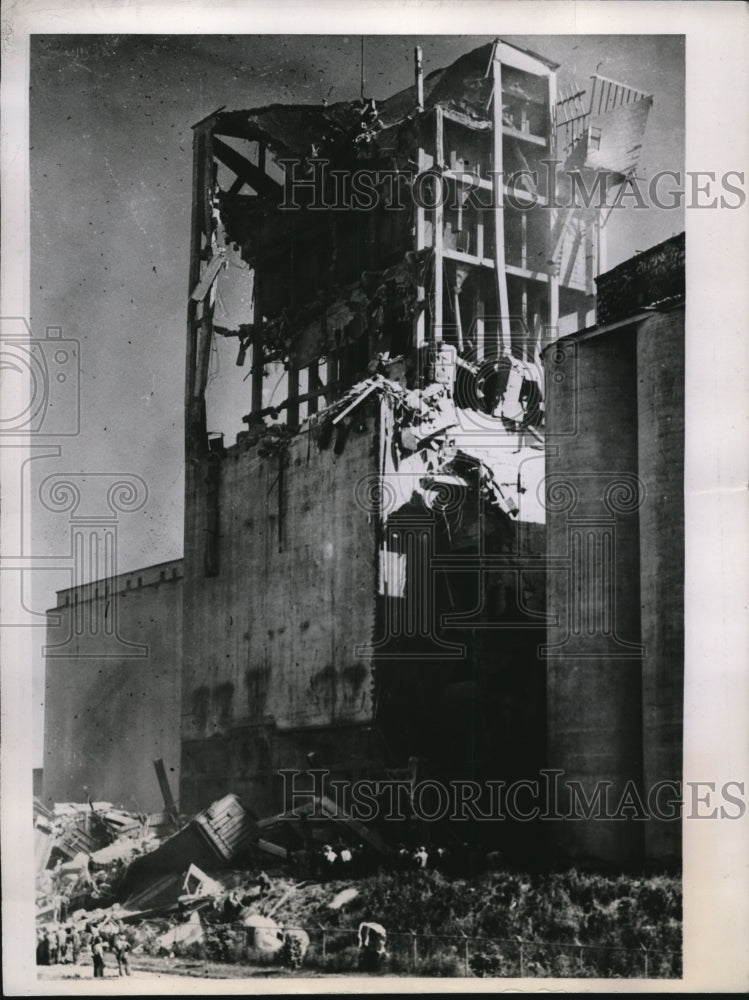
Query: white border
<point x="716" y="855"/>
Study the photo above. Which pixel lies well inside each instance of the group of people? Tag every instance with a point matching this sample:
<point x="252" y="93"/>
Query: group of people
<point x="57" y="945"/>
<point x="332" y="861"/>
<point x="341" y="861"/>
<point x="120" y="947"/>
<point x="338" y="861"/>
<point x="420" y="858"/>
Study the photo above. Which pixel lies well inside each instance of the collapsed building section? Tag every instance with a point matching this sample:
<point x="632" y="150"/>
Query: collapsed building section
<point x="364" y="581"/>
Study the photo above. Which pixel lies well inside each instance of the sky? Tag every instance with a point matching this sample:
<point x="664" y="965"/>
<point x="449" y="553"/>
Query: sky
<point x="111" y="164"/>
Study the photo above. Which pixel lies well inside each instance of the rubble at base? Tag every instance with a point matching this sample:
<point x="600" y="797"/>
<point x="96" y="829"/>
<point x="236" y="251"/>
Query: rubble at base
<point x="315" y="888"/>
<point x="104" y="871"/>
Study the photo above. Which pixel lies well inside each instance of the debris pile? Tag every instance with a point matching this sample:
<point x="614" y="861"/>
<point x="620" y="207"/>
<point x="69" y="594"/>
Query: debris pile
<point x="433" y="444"/>
<point x="146" y="890"/>
<point x="109" y="880"/>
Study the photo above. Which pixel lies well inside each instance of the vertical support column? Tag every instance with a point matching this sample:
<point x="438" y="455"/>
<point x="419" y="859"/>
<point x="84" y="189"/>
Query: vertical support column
<point x="478" y="302"/>
<point x="498" y="207"/>
<point x="293" y="407"/>
<point x="478" y="312"/>
<point x="313" y="385"/>
<point x="527" y="335"/>
<point x="553" y="314"/>
<point x="419" y="235"/>
<point x="536" y="325"/>
<point x="205" y="332"/>
<point x="419" y="71"/>
<point x="553" y="323"/>
<point x="480" y="234"/>
<point x="201" y="155"/>
<point x="332" y="376"/>
<point x="602" y="244"/>
<point x="458" y="320"/>
<point x="438" y="228"/>
<point x="419" y="242"/>
<point x="257" y="374"/>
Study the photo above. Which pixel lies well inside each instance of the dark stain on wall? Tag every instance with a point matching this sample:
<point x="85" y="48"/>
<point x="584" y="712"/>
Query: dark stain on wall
<point x="200" y="708"/>
<point x="256" y="689"/>
<point x="221" y="699"/>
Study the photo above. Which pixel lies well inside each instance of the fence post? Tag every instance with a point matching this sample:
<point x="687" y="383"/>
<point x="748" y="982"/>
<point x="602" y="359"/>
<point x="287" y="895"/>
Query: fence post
<point x="324" y="944"/>
<point x="522" y="961"/>
<point x="646" y="964"/>
<point x="580" y="959"/>
<point x="465" y="955"/>
<point x="414" y="950"/>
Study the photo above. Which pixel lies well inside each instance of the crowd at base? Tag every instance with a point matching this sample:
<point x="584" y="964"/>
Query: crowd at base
<point x="67" y="946"/>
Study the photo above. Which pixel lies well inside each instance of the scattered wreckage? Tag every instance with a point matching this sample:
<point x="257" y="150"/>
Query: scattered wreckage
<point x="105" y="873"/>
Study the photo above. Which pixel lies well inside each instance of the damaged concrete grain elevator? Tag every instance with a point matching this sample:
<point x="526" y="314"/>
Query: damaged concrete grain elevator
<point x="365" y="567"/>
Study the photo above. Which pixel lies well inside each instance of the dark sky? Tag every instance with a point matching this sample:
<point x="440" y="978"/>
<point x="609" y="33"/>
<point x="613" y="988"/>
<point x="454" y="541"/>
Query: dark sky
<point x="111" y="161"/>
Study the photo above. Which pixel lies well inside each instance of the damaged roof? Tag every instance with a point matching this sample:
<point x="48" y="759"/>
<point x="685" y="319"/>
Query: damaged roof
<point x="293" y="129"/>
<point x="297" y="129"/>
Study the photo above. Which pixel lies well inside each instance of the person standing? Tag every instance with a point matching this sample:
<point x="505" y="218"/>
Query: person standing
<point x="62" y="946"/>
<point x="74" y="944"/>
<point x="42" y="948"/>
<point x="421" y="858"/>
<point x="330" y="860"/>
<point x="97" y="952"/>
<point x="52" y="939"/>
<point x="372" y="954"/>
<point x="232" y="906"/>
<point x="121" y="948"/>
<point x="264" y="884"/>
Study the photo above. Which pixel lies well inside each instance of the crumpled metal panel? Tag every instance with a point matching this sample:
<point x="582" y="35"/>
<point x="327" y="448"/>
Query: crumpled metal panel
<point x="614" y="139"/>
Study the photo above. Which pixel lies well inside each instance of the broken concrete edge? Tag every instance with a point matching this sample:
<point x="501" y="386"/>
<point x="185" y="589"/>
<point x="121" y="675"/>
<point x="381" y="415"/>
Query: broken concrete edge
<point x="424" y="421"/>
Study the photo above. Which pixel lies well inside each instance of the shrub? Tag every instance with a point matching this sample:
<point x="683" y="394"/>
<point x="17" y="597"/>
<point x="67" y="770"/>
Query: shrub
<point x="493" y="960"/>
<point x="344" y="960"/>
<point x="195" y="949"/>
<point x="224" y="943"/>
<point x="448" y="965"/>
<point x="563" y="908"/>
<point x="655" y="902"/>
<point x="292" y="952"/>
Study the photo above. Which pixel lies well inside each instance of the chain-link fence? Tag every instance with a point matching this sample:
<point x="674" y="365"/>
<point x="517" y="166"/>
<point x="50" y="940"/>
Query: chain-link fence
<point x="337" y="950"/>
